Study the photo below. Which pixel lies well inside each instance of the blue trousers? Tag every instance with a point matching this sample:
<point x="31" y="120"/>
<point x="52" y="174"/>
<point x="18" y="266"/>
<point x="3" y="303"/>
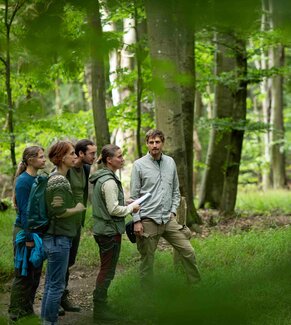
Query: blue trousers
<point x="57" y="249"/>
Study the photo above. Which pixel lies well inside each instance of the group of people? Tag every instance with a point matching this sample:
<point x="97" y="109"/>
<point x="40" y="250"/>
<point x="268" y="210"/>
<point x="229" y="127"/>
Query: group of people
<point x="66" y="198"/>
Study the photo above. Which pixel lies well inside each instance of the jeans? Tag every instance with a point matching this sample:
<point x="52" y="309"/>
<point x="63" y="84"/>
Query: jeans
<point x="109" y="249"/>
<point x="57" y="249"/>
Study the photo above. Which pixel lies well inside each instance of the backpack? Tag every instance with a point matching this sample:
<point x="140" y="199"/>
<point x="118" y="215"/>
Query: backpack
<point x="37" y="217"/>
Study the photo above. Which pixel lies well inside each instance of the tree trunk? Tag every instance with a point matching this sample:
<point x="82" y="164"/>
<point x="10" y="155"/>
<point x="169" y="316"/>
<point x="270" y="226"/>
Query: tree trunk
<point x="197" y="145"/>
<point x="266" y="103"/>
<point x="187" y="67"/>
<point x="277" y="149"/>
<point x="277" y="120"/>
<point x="213" y="178"/>
<point x="7" y="63"/>
<point x="97" y="72"/>
<point x="239" y="116"/>
<point x="58" y="101"/>
<point x="162" y="43"/>
<point x="139" y="83"/>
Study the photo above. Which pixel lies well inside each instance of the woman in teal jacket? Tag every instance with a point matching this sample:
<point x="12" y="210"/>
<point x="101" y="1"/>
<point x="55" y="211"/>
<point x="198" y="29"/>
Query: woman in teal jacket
<point x="24" y="286"/>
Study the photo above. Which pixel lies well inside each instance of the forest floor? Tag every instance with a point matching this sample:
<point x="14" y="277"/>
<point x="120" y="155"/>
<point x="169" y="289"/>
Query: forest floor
<point x="82" y="280"/>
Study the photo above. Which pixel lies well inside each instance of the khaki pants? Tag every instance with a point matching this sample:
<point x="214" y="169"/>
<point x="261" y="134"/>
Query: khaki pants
<point x="178" y="236"/>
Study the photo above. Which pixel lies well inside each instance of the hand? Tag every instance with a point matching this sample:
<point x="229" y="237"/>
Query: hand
<point x="57" y="202"/>
<point x="80" y="207"/>
<point x="129" y="201"/>
<point x="136" y="208"/>
<point x="172" y="215"/>
<point x="138" y="228"/>
<point x="29" y="244"/>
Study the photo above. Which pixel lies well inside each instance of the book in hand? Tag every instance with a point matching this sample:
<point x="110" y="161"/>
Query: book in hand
<point x="141" y="199"/>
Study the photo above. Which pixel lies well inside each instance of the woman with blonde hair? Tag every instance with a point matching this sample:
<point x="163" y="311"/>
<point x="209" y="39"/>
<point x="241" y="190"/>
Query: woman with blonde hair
<point x="65" y="219"/>
<point x="24" y="286"/>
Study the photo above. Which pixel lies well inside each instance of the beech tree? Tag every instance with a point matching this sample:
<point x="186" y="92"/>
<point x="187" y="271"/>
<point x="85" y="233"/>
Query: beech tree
<point x="234" y="151"/>
<point x="213" y="177"/>
<point x="97" y="75"/>
<point x="168" y="101"/>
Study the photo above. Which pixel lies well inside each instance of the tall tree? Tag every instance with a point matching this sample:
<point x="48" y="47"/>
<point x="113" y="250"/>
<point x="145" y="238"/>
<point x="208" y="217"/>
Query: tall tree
<point x="277" y="134"/>
<point x="10" y="11"/>
<point x="265" y="87"/>
<point x="162" y="36"/>
<point x="185" y="44"/>
<point x="213" y="178"/>
<point x="230" y="184"/>
<point x="277" y="120"/>
<point x="97" y="74"/>
<point x="139" y="82"/>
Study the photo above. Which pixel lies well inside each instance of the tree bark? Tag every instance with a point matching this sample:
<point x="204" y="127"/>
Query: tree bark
<point x="266" y="103"/>
<point x="139" y="83"/>
<point x="277" y="140"/>
<point x="186" y="44"/>
<point x="277" y="59"/>
<point x="165" y="65"/>
<point x="196" y="142"/>
<point x="7" y="64"/>
<point x="97" y="72"/>
<point x="213" y="178"/>
<point x="236" y="142"/>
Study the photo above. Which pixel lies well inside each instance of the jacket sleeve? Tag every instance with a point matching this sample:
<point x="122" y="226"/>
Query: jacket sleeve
<point x="135" y="187"/>
<point x="22" y="192"/>
<point x="110" y="192"/>
<point x="176" y="192"/>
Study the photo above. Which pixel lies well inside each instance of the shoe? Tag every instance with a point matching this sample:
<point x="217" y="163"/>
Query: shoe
<point x="68" y="306"/>
<point x="61" y="311"/>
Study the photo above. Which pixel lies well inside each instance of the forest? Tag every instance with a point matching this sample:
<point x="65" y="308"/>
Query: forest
<point x="213" y="75"/>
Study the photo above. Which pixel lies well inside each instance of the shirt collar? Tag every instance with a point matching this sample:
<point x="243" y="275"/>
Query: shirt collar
<point x="151" y="157"/>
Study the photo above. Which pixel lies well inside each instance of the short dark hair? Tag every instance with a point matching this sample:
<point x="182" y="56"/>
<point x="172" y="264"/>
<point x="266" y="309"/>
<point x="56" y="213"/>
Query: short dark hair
<point x="155" y="133"/>
<point x="82" y="145"/>
<point x="107" y="151"/>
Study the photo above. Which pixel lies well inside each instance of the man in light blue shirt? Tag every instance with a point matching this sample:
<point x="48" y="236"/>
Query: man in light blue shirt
<point x="156" y="173"/>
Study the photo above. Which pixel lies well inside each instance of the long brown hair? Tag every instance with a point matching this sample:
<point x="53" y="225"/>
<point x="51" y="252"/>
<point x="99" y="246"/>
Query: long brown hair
<point x="29" y="152"/>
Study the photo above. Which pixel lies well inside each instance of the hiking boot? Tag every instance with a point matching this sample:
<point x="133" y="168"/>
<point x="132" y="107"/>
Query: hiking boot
<point x="103" y="312"/>
<point x="68" y="306"/>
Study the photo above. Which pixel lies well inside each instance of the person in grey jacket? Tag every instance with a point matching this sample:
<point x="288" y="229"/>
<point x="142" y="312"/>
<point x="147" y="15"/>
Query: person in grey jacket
<point x="109" y="212"/>
<point x="156" y="173"/>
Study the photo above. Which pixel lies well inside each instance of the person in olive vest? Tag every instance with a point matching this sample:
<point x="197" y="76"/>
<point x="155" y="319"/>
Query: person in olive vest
<point x="109" y="212"/>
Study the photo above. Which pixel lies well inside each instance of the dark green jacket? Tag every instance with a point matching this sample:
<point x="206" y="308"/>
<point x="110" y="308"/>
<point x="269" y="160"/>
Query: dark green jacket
<point x="59" y="186"/>
<point x="104" y="223"/>
<point x="85" y="196"/>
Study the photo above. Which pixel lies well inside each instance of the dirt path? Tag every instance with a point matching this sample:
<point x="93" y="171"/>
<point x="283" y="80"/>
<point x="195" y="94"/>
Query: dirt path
<point x="82" y="282"/>
<point x="81" y="286"/>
